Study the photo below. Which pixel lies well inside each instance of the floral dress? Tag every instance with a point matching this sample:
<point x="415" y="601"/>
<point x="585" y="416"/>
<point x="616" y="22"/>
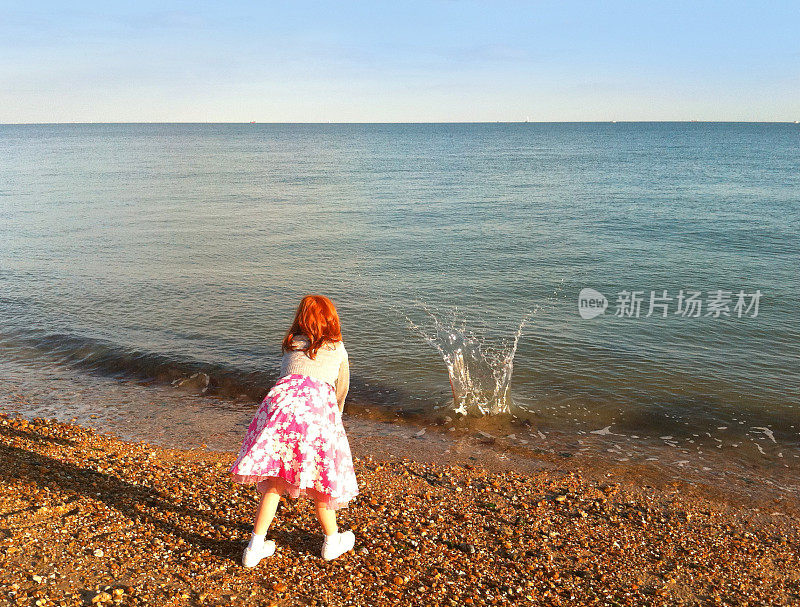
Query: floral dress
<point x="297" y="441"/>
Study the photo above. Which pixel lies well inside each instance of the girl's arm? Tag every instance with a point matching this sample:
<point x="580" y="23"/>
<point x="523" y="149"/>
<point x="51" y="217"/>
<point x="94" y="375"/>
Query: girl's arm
<point x="343" y="383"/>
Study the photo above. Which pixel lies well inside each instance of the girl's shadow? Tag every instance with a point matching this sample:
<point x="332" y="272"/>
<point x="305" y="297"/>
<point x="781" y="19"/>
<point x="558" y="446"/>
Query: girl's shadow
<point x="22" y="465"/>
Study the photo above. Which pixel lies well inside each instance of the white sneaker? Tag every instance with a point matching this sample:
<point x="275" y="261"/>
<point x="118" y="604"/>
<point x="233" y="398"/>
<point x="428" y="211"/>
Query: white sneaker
<point x="252" y="556"/>
<point x="335" y="546"/>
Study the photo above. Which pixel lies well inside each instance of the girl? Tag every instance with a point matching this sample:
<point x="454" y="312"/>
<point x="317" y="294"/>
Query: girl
<point x="296" y="443"/>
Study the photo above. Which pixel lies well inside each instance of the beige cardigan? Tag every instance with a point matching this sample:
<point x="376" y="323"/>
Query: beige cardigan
<point x="330" y="365"/>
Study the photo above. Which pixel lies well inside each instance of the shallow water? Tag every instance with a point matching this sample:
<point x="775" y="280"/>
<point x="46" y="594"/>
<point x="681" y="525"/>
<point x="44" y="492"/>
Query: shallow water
<point x="158" y="251"/>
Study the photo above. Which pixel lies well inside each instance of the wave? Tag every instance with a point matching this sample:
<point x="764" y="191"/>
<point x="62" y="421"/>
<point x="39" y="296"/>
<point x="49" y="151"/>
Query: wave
<point x="110" y="358"/>
<point x="228" y="381"/>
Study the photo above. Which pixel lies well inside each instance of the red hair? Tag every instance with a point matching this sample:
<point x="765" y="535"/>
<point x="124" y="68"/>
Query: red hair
<point x="317" y="319"/>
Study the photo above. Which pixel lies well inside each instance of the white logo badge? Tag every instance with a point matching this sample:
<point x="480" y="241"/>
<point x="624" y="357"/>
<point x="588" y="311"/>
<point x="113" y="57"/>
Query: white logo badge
<point x="591" y="303"/>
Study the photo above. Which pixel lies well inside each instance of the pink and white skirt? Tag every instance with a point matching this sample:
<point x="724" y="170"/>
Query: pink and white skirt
<point x="297" y="443"/>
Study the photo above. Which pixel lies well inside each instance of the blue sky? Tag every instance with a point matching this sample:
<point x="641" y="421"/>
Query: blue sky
<point x="398" y="61"/>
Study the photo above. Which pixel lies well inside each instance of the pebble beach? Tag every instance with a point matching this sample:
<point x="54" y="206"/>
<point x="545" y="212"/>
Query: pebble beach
<point x="87" y="518"/>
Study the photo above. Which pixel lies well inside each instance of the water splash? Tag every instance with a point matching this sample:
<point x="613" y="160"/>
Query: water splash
<point x="480" y="374"/>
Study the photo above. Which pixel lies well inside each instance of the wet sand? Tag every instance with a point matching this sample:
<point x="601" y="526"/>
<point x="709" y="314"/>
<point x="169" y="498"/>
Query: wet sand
<point x="88" y="518"/>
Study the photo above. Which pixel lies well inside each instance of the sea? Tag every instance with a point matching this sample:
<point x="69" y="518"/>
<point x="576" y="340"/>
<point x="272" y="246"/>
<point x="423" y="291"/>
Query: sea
<point x="625" y="289"/>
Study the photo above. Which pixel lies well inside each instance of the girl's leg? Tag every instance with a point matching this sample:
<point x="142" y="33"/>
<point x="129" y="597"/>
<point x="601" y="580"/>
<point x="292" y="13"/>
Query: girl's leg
<point x="259" y="548"/>
<point x="335" y="544"/>
<point x="326" y="517"/>
<point x="266" y="508"/>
